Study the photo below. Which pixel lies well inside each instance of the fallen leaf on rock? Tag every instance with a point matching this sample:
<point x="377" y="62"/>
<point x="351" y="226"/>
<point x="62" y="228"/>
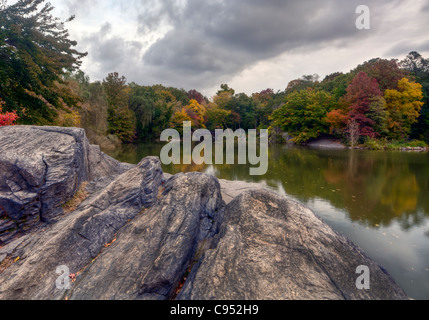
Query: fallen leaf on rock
<point x="107" y="245"/>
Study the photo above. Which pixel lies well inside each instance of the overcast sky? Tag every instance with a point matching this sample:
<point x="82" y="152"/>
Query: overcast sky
<point x="251" y="45"/>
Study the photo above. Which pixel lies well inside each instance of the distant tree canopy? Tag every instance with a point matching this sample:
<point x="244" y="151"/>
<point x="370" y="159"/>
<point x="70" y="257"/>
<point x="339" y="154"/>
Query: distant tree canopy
<point x="378" y="99"/>
<point x="35" y="54"/>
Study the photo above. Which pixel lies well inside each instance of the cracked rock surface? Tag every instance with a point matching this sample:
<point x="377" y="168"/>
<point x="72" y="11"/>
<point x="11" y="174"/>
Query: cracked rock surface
<point x="151" y="254"/>
<point x="79" y="237"/>
<point x="271" y="248"/>
<point x="41" y="168"/>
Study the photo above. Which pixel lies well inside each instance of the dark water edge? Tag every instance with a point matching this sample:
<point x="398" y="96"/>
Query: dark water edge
<point x="379" y="199"/>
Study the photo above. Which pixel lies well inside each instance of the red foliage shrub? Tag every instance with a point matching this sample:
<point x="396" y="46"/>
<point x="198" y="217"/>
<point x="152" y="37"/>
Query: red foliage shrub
<point x="8" y="118"/>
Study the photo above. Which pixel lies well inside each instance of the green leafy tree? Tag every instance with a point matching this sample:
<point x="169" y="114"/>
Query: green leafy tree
<point x="305" y="82"/>
<point x="217" y="118"/>
<point x="121" y="120"/>
<point x="142" y="103"/>
<point x="226" y="88"/>
<point x="244" y="106"/>
<point x="303" y="115"/>
<point x="336" y="84"/>
<point x="378" y="114"/>
<point x="94" y="111"/>
<point x="265" y="104"/>
<point x="35" y="55"/>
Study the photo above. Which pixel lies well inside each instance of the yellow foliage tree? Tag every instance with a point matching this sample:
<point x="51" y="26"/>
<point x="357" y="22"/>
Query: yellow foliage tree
<point x="403" y="107"/>
<point x="222" y="99"/>
<point x="196" y="112"/>
<point x="68" y="119"/>
<point x="178" y="119"/>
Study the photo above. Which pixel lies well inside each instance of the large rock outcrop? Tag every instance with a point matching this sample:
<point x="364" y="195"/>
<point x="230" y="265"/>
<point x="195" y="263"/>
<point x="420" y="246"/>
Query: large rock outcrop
<point x="79" y="237"/>
<point x="140" y="232"/>
<point x="41" y="168"/>
<point x="271" y="248"/>
<point x="153" y="252"/>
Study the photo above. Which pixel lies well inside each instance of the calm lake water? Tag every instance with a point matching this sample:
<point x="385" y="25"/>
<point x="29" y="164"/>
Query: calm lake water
<point x="380" y="200"/>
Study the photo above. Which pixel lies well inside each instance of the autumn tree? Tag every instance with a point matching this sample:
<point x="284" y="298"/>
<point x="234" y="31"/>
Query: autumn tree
<point x="178" y="119"/>
<point x="196" y="112"/>
<point x="387" y="73"/>
<point x="197" y="96"/>
<point x="337" y="120"/>
<point x="358" y="104"/>
<point x="35" y="54"/>
<point x="353" y="132"/>
<point x="404" y="106"/>
<point x="419" y="68"/>
<point x="223" y="99"/>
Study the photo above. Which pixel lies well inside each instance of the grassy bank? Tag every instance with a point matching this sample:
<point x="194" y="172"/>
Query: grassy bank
<point x="383" y="144"/>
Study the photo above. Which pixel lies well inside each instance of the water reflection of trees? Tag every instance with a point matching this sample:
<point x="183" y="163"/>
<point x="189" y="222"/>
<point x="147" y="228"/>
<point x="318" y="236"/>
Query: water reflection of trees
<point x="375" y="188"/>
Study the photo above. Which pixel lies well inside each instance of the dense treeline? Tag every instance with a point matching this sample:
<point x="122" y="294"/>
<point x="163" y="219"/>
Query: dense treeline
<point x="380" y="99"/>
<point x="129" y="112"/>
<point x="41" y="83"/>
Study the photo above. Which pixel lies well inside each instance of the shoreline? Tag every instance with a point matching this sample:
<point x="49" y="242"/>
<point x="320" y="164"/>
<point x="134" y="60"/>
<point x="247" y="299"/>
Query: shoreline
<point x="331" y="145"/>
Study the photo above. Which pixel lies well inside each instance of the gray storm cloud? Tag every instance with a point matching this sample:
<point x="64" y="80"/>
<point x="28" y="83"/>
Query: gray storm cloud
<point x="210" y="41"/>
<point x="216" y="39"/>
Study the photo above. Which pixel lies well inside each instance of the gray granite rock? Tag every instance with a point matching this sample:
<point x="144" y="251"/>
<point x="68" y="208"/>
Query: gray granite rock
<point x="270" y="248"/>
<point x="151" y="254"/>
<point x="41" y="168"/>
<point x="78" y="238"/>
<point x="232" y="189"/>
